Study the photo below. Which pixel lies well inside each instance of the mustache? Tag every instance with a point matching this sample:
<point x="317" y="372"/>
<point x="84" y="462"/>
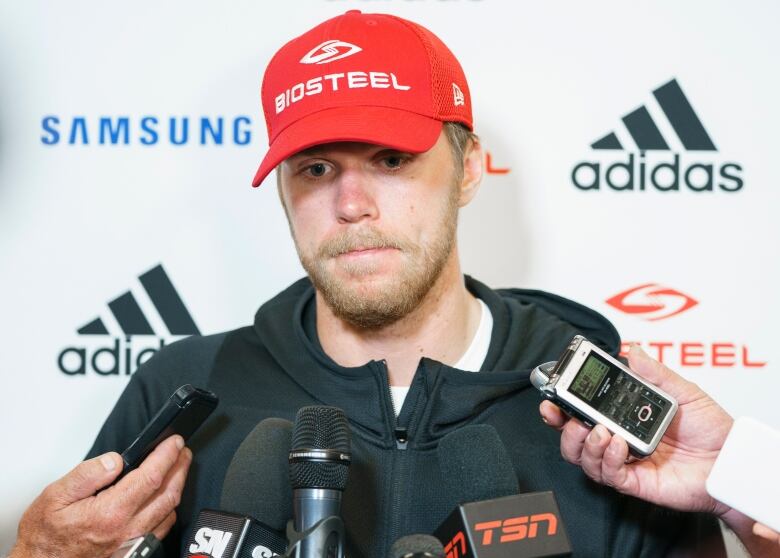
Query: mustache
<point x="365" y="238"/>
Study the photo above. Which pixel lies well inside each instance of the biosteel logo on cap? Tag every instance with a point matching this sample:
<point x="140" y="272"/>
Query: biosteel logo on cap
<point x="371" y="78"/>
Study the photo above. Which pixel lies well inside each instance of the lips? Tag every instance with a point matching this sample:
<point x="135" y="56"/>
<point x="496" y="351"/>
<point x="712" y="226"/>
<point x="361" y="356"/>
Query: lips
<point x="367" y="251"/>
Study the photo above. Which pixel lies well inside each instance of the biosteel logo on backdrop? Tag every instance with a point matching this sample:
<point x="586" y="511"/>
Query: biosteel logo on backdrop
<point x="655" y="302"/>
<point x="689" y="162"/>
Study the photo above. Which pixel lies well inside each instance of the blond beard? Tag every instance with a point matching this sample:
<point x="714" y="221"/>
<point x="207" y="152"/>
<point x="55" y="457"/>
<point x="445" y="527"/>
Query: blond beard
<point x="396" y="299"/>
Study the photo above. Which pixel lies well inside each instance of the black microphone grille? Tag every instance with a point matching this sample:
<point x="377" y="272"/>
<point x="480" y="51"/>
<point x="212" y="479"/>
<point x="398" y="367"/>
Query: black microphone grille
<point x="320" y="453"/>
<point x="321" y="427"/>
<point x="417" y="546"/>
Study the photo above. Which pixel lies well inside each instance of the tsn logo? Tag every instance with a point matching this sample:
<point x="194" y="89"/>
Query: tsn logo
<point x="210" y="543"/>
<point x="516" y="528"/>
<point x="457" y="546"/>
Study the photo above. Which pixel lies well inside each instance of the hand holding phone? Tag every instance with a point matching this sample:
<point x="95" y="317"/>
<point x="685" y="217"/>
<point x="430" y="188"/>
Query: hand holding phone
<point x="74" y="516"/>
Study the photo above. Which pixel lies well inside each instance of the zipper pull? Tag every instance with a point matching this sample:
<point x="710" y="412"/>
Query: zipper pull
<point x="401" y="437"/>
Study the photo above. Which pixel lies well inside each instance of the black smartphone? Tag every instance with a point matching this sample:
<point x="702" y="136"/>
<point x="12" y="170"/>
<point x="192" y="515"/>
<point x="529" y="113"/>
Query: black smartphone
<point x="182" y="414"/>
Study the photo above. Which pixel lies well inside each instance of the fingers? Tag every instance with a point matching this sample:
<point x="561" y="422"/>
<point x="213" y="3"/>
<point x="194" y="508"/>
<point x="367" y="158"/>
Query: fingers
<point x="765" y="532"/>
<point x="573" y="432"/>
<point x="603" y="458"/>
<point x="133" y="491"/>
<point x="86" y="478"/>
<point x="573" y="437"/>
<point x="165" y="526"/>
<point x="601" y="455"/>
<point x="552" y="415"/>
<point x="614" y="471"/>
<point x="166" y="499"/>
<point x="655" y="372"/>
<point x="593" y="452"/>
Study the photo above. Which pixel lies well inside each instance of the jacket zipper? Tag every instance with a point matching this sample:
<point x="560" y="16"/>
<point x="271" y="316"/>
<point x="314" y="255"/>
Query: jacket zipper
<point x="401" y="438"/>
<point x="400" y="433"/>
<point x="400" y="456"/>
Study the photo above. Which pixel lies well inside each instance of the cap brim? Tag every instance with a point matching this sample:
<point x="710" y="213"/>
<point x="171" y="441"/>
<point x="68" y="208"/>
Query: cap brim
<point x="394" y="128"/>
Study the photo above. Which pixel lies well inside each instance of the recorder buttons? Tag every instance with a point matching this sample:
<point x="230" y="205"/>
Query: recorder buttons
<point x="645" y="412"/>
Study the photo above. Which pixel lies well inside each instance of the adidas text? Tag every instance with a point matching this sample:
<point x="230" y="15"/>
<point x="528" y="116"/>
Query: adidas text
<point x="121" y="359"/>
<point x="637" y="174"/>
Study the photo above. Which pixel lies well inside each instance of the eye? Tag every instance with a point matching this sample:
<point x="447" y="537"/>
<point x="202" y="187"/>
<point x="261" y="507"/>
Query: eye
<point x="314" y="169"/>
<point x="394" y="161"/>
<point x="317" y="169"/>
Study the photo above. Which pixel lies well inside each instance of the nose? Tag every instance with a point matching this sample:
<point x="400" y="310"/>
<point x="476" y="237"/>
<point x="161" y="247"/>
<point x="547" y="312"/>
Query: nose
<point x="355" y="199"/>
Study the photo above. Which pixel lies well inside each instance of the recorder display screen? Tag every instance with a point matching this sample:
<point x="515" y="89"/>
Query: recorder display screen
<point x="587" y="381"/>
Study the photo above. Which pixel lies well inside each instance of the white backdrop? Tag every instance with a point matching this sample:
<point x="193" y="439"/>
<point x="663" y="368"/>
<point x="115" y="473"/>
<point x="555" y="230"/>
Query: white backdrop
<point x="82" y="219"/>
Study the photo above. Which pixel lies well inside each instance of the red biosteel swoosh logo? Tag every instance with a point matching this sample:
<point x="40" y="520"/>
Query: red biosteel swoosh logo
<point x="330" y="51"/>
<point x="652" y="302"/>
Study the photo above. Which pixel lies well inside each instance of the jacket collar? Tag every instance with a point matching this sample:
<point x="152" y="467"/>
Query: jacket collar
<point x="442" y="398"/>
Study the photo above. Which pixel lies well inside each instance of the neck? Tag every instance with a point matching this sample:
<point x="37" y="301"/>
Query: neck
<point x="440" y="328"/>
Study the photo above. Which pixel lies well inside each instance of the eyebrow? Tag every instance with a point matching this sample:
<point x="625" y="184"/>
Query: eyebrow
<point x="322" y="148"/>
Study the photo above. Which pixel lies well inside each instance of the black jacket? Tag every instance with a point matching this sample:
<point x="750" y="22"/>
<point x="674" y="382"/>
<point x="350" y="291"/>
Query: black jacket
<point x="277" y="366"/>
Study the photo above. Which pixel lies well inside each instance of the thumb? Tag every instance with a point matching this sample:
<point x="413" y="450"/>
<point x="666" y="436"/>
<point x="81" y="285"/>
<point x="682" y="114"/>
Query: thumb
<point x="88" y="477"/>
<point x="656" y="373"/>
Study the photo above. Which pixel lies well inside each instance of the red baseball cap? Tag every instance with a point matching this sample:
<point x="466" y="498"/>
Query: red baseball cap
<point x="372" y="78"/>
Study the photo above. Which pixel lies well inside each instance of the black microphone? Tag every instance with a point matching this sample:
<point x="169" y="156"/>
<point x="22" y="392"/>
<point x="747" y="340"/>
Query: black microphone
<point x="319" y="465"/>
<point x="255" y="487"/>
<point x="417" y="546"/>
<point x="492" y="519"/>
<point x="256" y="482"/>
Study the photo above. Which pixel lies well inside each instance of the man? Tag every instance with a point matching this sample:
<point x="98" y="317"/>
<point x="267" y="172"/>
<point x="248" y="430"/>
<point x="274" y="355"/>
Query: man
<point x="369" y="121"/>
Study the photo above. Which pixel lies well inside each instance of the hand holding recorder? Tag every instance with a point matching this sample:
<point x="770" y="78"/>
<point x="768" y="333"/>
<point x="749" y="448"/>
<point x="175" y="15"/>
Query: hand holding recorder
<point x="674" y="474"/>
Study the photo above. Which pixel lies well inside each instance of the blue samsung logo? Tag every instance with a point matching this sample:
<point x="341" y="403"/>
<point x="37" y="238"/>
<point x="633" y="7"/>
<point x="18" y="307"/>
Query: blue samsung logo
<point x="146" y="130"/>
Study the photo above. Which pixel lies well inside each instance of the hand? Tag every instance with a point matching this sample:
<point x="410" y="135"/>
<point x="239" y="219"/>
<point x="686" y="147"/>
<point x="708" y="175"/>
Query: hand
<point x="765" y="532"/>
<point x="70" y="519"/>
<point x="674" y="475"/>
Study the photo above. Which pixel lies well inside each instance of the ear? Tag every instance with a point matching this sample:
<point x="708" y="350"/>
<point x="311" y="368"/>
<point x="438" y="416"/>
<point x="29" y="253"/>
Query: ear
<point x="472" y="171"/>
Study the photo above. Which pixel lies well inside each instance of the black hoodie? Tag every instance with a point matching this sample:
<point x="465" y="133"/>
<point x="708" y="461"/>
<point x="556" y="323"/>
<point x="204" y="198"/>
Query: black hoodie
<point x="275" y="367"/>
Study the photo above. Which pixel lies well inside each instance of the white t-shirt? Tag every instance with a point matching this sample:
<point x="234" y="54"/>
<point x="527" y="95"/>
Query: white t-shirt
<point x="471" y="361"/>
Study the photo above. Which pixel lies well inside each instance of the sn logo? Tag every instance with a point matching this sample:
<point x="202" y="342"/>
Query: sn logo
<point x="210" y="542"/>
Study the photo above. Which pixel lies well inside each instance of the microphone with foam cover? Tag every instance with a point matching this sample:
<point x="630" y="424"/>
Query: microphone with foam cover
<point x="417" y="546"/>
<point x="475" y="464"/>
<point x="492" y="519"/>
<point x="258" y="498"/>
<point x="256" y="482"/>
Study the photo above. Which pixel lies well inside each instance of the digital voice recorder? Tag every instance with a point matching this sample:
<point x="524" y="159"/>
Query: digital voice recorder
<point x="589" y="384"/>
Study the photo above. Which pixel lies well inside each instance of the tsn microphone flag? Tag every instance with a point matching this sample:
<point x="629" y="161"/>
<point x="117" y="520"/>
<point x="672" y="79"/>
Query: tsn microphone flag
<point x="517" y="526"/>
